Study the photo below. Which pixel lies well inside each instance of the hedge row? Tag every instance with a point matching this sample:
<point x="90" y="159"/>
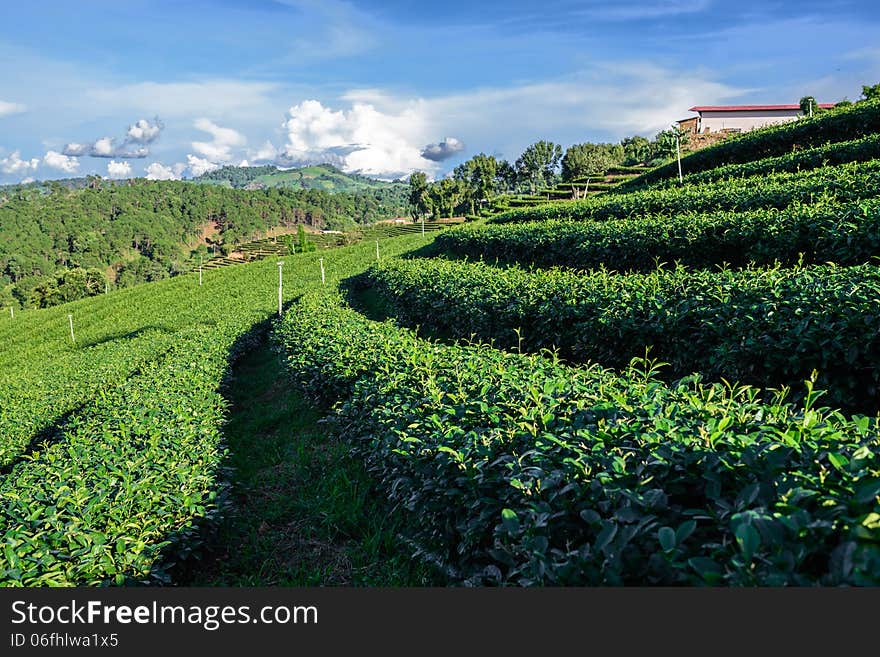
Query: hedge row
<point x="857" y="150"/>
<point x="515" y="469"/>
<point x="766" y="327"/>
<point x="845" y="182"/>
<point x="844" y="233"/>
<point x="853" y="122"/>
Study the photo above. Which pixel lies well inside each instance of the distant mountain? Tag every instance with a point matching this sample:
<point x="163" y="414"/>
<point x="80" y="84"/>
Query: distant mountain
<point x="325" y="177"/>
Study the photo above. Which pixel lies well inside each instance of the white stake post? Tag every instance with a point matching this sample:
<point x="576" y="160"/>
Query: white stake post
<point x="200" y="271"/>
<point x="322" y="272"/>
<point x="423" y="225"/>
<point x="70" y="321"/>
<point x="106" y="287"/>
<point x="12" y="312"/>
<point x="678" y="155"/>
<point x="280" y="265"/>
<point x="377" y="250"/>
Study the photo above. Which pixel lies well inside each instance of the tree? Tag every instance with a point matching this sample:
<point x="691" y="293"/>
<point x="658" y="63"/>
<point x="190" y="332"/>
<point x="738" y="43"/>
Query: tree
<point x="636" y="149"/>
<point x="418" y="194"/>
<point x="582" y="160"/>
<point x="809" y="106"/>
<point x="872" y="92"/>
<point x="538" y="164"/>
<point x="447" y="197"/>
<point x="665" y="144"/>
<point x="505" y="176"/>
<point x="304" y="244"/>
<point x="479" y="176"/>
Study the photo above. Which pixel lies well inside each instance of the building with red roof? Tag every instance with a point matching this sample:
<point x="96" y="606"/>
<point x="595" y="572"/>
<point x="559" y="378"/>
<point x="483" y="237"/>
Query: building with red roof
<point x="740" y="118"/>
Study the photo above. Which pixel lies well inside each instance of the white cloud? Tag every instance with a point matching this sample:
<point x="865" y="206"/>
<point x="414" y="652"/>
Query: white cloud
<point x="15" y="165"/>
<point x="61" y="162"/>
<point x="25" y="181"/>
<point x="198" y="166"/>
<point x="135" y="144"/>
<point x="364" y="139"/>
<point x="603" y="103"/>
<point x="7" y="108"/>
<point x="158" y="171"/>
<point x="118" y="169"/>
<point x="266" y="153"/>
<point x="76" y="149"/>
<point x="103" y="147"/>
<point x="144" y="132"/>
<point x="219" y="149"/>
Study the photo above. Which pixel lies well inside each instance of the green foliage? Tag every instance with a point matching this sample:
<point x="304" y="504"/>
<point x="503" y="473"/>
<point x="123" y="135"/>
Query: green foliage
<point x="636" y="149"/>
<point x="779" y="190"/>
<point x="480" y="176"/>
<point x="305" y="245"/>
<point x="850" y="123"/>
<point x="856" y="150"/>
<point x="144" y="231"/>
<point x="111" y="446"/>
<point x="538" y="164"/>
<point x="512" y="469"/>
<point x="767" y="327"/>
<point x="844" y="233"/>
<point x="809" y="106"/>
<point x="871" y="92"/>
<point x="582" y="160"/>
<point x="418" y="194"/>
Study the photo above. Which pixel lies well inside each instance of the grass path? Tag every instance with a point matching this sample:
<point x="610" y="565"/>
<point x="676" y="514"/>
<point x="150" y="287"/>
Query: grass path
<point x="303" y="513"/>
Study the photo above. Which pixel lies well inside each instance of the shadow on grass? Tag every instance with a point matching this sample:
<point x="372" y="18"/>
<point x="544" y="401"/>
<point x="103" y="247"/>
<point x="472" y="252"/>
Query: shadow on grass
<point x="298" y="510"/>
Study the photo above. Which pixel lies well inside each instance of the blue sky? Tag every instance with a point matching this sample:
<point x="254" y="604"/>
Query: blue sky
<point x="171" y="89"/>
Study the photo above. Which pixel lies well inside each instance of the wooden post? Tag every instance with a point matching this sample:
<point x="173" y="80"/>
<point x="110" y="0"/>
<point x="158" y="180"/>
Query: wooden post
<point x="678" y="155"/>
<point x="280" y="265"/>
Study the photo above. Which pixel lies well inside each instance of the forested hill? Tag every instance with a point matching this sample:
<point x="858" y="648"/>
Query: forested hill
<point x="148" y="230"/>
<point x="322" y="176"/>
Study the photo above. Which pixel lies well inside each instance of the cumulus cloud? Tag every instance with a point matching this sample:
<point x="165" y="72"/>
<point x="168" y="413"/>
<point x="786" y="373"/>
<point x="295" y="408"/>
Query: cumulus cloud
<point x="118" y="169"/>
<point x="219" y="149"/>
<point x="62" y="162"/>
<point x="198" y="166"/>
<point x="7" y="108"/>
<point x="134" y="145"/>
<point x="443" y="150"/>
<point x="360" y="139"/>
<point x="15" y="165"/>
<point x="158" y="171"/>
<point x="144" y="132"/>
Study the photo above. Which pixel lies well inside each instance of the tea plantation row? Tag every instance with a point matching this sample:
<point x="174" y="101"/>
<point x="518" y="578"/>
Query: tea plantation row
<point x="827" y="231"/>
<point x="854" y="122"/>
<point x="115" y="482"/>
<point x="518" y="469"/>
<point x="856" y="150"/>
<point x="767" y="327"/>
<point x="844" y="182"/>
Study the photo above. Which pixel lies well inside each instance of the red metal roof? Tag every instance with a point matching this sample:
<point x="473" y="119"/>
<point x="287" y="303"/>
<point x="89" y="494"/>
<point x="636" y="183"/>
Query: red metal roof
<point x="751" y="108"/>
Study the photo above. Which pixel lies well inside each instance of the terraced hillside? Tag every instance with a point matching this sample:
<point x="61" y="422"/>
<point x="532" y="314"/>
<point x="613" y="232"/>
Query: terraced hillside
<point x="687" y="394"/>
<point x="676" y="386"/>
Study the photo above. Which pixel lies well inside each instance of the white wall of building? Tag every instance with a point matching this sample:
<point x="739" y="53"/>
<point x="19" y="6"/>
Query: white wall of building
<point x="745" y="120"/>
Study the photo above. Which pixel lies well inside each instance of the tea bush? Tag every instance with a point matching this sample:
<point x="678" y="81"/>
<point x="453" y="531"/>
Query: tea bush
<point x="853" y="122"/>
<point x="847" y="182"/>
<point x="515" y="469"/>
<point x="768" y="327"/>
<point x="844" y="233"/>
